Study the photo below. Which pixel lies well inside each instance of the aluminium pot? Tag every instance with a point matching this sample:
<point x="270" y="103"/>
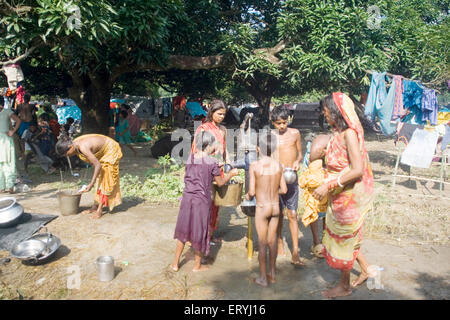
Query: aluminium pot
<point x="10" y="212"/>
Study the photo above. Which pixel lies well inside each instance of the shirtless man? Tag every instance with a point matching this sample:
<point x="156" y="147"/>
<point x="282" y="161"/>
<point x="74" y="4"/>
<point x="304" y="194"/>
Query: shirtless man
<point x="104" y="154"/>
<point x="27" y="114"/>
<point x="289" y="154"/>
<point x="266" y="182"/>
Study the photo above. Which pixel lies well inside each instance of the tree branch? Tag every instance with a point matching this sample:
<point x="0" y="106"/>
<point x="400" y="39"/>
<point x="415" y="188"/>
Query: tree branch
<point x="195" y="63"/>
<point x="19" y="58"/>
<point x="7" y="9"/>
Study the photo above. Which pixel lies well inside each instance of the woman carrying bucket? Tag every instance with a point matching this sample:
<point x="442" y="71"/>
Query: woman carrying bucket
<point x="104" y="154"/>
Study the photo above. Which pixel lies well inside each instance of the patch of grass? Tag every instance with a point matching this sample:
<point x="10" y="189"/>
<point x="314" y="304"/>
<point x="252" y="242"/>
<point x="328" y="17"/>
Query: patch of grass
<point x="412" y="219"/>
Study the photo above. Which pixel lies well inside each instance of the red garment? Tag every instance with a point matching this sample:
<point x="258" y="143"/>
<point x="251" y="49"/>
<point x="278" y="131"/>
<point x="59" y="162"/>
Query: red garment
<point x="134" y="123"/>
<point x="20" y="92"/>
<point x="179" y="103"/>
<point x="54" y="125"/>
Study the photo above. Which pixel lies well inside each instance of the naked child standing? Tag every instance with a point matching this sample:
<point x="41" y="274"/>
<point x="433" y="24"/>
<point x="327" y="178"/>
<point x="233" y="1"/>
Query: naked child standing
<point x="289" y="154"/>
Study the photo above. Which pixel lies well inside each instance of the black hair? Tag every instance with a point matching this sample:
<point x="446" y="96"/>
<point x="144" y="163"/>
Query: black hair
<point x="214" y="106"/>
<point x="45" y="117"/>
<point x="70" y="120"/>
<point x="267" y="143"/>
<point x="204" y="139"/>
<point x="124" y="114"/>
<point x="33" y="123"/>
<point x="2" y="101"/>
<point x="63" y="144"/>
<point x="26" y="97"/>
<point x="328" y="102"/>
<point x="127" y="107"/>
<point x="278" y="113"/>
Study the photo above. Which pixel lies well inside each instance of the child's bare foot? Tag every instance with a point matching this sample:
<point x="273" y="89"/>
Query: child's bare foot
<point x="201" y="268"/>
<point x="175" y="269"/>
<point x="261" y="281"/>
<point x="362" y="277"/>
<point x="296" y="260"/>
<point x="338" y="291"/>
<point x="96" y="216"/>
<point x="271" y="279"/>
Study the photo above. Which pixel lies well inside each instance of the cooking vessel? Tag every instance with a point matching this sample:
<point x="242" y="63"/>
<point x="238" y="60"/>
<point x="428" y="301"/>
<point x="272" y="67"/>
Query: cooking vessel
<point x="248" y="207"/>
<point x="289" y="175"/>
<point x="10" y="212"/>
<point x="52" y="243"/>
<point x="29" y="249"/>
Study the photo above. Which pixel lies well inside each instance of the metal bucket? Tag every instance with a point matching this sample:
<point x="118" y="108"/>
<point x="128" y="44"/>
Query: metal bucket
<point x="228" y="195"/>
<point x="69" y="202"/>
<point x="105" y="267"/>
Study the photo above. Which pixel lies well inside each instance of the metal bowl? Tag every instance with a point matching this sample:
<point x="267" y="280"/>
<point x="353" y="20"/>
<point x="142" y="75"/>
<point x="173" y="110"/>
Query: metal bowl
<point x="248" y="207"/>
<point x="52" y="243"/>
<point x="289" y="175"/>
<point x="29" y="249"/>
<point x="10" y="212"/>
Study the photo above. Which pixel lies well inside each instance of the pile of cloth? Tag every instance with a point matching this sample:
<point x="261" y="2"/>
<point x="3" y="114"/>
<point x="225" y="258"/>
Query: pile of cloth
<point x="407" y="101"/>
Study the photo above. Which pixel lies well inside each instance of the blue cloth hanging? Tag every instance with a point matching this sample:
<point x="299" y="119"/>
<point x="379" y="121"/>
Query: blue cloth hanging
<point x="379" y="103"/>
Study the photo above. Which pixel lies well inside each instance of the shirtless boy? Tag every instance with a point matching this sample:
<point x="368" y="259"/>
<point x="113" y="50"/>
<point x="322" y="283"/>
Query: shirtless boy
<point x="289" y="154"/>
<point x="266" y="181"/>
<point x="27" y="114"/>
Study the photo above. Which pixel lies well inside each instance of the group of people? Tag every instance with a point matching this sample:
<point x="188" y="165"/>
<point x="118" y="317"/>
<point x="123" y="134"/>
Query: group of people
<point x="28" y="132"/>
<point x="337" y="186"/>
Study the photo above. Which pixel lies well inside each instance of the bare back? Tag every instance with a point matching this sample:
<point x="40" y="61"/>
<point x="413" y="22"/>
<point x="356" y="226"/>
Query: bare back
<point x="266" y="180"/>
<point x="89" y="145"/>
<point x="26" y="111"/>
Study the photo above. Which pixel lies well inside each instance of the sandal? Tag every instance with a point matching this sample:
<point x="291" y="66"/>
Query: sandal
<point x="317" y="250"/>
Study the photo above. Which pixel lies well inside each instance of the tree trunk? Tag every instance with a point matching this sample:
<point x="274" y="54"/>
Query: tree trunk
<point x="262" y="90"/>
<point x="92" y="95"/>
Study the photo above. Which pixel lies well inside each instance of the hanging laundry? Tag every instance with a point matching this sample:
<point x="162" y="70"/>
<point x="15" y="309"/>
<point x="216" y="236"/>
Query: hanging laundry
<point x="380" y="103"/>
<point x="167" y="107"/>
<point x="398" y="111"/>
<point x="158" y="106"/>
<point x="14" y="75"/>
<point x="195" y="109"/>
<point x="420" y="150"/>
<point x="412" y="94"/>
<point x="20" y="92"/>
<point x="429" y="106"/>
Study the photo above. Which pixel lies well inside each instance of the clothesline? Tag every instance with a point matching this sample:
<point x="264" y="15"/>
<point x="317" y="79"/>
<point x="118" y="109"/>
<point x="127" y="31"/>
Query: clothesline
<point x="392" y="75"/>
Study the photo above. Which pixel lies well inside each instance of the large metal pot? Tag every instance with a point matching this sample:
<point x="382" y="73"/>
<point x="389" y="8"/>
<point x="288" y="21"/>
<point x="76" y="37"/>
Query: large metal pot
<point x="10" y="212"/>
<point x="248" y="207"/>
<point x="289" y="175"/>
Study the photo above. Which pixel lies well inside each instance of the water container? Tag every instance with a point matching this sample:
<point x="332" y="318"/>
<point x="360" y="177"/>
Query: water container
<point x="69" y="202"/>
<point x="105" y="268"/>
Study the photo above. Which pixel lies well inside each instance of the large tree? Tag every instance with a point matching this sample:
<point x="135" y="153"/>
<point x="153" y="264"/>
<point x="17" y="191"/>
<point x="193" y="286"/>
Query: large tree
<point x="269" y="47"/>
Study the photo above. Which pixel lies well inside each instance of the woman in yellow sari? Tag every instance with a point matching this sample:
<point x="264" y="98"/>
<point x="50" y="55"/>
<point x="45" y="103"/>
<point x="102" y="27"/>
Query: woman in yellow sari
<point x="104" y="154"/>
<point x="349" y="189"/>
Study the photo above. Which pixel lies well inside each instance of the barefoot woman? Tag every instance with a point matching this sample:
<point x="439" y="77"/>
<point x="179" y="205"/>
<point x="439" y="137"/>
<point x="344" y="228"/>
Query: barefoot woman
<point x="104" y="154"/>
<point x="350" y="191"/>
<point x="216" y="114"/>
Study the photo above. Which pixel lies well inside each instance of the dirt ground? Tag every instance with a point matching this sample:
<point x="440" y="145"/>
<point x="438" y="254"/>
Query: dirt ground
<point x="407" y="233"/>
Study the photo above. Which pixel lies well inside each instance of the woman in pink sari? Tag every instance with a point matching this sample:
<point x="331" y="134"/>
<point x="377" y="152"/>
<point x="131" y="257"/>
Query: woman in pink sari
<point x="214" y="118"/>
<point x="349" y="189"/>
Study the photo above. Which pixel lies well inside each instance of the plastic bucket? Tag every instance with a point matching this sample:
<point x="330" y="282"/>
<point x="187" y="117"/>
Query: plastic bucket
<point x="229" y="195"/>
<point x="69" y="202"/>
<point x="105" y="267"/>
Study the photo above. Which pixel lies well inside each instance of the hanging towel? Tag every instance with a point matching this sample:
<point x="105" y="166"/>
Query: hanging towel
<point x="420" y="150"/>
<point x="380" y="103"/>
<point x="398" y="111"/>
